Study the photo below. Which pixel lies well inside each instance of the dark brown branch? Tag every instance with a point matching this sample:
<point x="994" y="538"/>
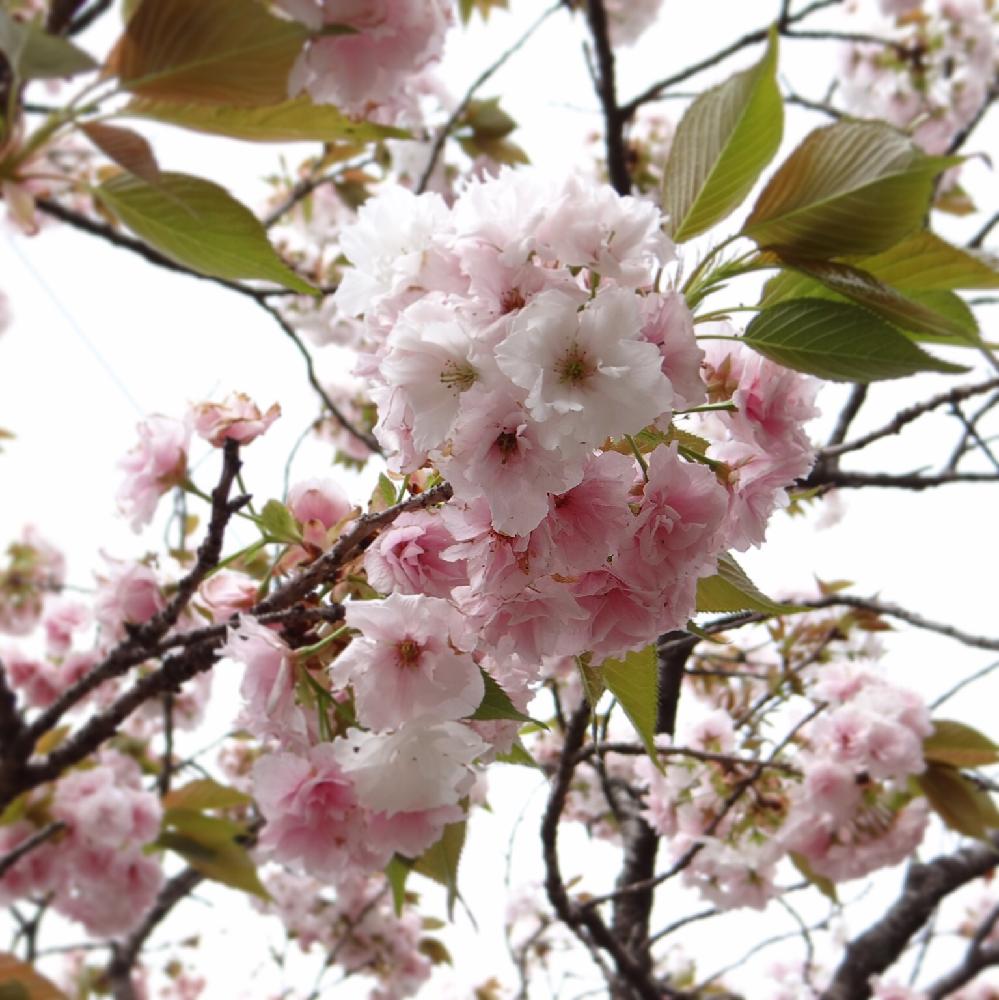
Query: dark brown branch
<point x="606" y="87"/>
<point x="142" y="639"/>
<point x="882" y="480"/>
<point x="583" y="921"/>
<point x="86" y="18"/>
<point x="125" y="954"/>
<point x="856" y="399"/>
<point x="11" y="722"/>
<point x="982" y="235"/>
<point x="324" y="570"/>
<point x="38" y="838"/>
<point x="879" y="947"/>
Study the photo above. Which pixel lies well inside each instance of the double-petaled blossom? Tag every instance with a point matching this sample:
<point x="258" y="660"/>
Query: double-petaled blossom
<point x="411" y="661"/>
<point x="236" y="418"/>
<point x="156" y="464"/>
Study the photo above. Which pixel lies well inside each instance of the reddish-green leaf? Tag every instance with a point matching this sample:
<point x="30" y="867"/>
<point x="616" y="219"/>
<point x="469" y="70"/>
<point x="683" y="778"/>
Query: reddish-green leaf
<point x="207" y="51"/>
<point x="205" y="793"/>
<point x="126" y="148"/>
<point x="961" y="805"/>
<point x="925" y="263"/>
<point x="850" y="188"/>
<point x="33" y="54"/>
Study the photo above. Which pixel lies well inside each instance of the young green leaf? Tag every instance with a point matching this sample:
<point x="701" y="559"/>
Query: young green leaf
<point x="223" y="52"/>
<point x="730" y="589"/>
<point x="959" y="745"/>
<point x="397" y="871"/>
<point x="723" y="142"/>
<point x="280" y="523"/>
<point x="837" y="341"/>
<point x="440" y="862"/>
<point x="205" y="793"/>
<point x="518" y="755"/>
<point x="496" y="704"/>
<point x="200" y="225"/>
<point x="850" y="188"/>
<point x="634" y="681"/>
<point x="925" y="263"/>
<point x="33" y="54"/>
<point x="210" y="845"/>
<point x="298" y="120"/>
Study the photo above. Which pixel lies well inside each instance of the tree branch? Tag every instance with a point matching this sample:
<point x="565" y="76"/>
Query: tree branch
<point x="879" y="947"/>
<point x="606" y="87"/>
<point x="38" y="838"/>
<point x="438" y="145"/>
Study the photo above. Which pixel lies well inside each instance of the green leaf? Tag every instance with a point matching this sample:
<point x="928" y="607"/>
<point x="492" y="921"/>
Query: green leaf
<point x="518" y="754"/>
<point x="126" y="148"/>
<point x="440" y="862"/>
<point x="397" y="871"/>
<point x="959" y="745"/>
<point x="862" y="287"/>
<point x="298" y="120"/>
<point x="205" y="793"/>
<point x="33" y="54"/>
<point x="634" y="681"/>
<point x="925" y="263"/>
<point x="279" y="523"/>
<point x="961" y="805"/>
<point x="435" y="951"/>
<point x="723" y="142"/>
<point x="200" y="225"/>
<point x="850" y="188"/>
<point x="837" y="341"/>
<point x="496" y="704"/>
<point x="210" y="845"/>
<point x="592" y="680"/>
<point x="223" y="52"/>
<point x="730" y="589"/>
<point x="825" y="885"/>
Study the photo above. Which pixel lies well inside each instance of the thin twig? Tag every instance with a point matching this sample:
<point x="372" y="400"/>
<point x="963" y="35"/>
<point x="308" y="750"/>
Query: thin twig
<point x="438" y="146"/>
<point x="837" y="446"/>
<point x="38" y="838"/>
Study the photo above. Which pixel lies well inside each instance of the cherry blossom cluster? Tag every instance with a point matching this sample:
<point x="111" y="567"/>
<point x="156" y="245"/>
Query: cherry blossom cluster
<point x="6" y="318"/>
<point x="358" y="925"/>
<point x="366" y="70"/>
<point x="513" y="336"/>
<point x="935" y="73"/>
<point x="628" y="20"/>
<point x="97" y="873"/>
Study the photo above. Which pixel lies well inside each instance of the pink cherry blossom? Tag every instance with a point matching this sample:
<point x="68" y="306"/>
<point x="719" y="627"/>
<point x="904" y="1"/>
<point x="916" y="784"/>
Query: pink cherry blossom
<point x="61" y="619"/>
<point x="411" y="662"/>
<point x="268" y="686"/>
<point x="34" y="568"/>
<point x="310" y="810"/>
<point x="237" y="418"/>
<point x="227" y="593"/>
<point x="130" y="593"/>
<point x="365" y="71"/>
<point x="408" y="557"/>
<point x="424" y="765"/>
<point x="588" y="375"/>
<point x="154" y="466"/>
<point x="496" y="455"/>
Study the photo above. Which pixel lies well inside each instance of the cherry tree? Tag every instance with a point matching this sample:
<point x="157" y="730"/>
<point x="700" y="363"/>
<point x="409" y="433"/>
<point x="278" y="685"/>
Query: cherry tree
<point x="572" y="439"/>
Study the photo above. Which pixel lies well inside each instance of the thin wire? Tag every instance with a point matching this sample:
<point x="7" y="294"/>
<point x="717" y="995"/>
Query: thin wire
<point x="75" y="327"/>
